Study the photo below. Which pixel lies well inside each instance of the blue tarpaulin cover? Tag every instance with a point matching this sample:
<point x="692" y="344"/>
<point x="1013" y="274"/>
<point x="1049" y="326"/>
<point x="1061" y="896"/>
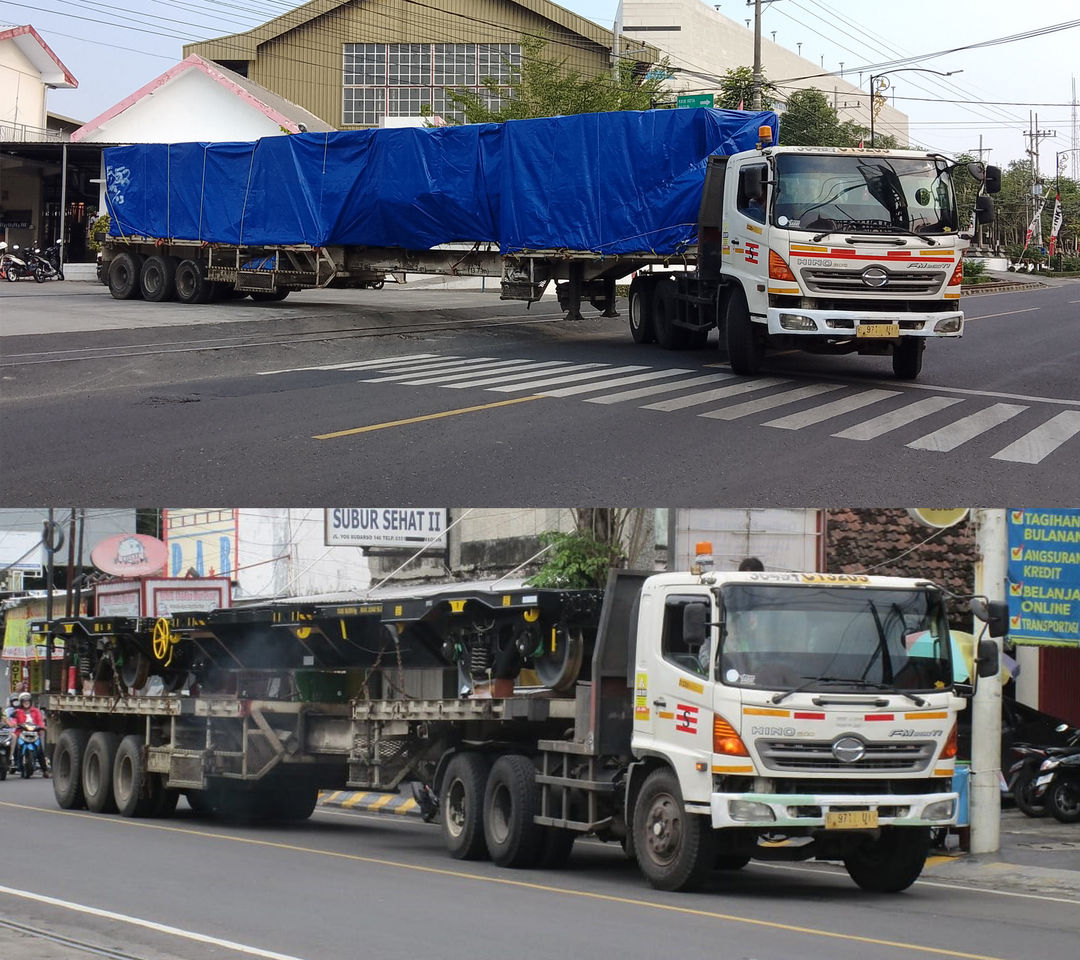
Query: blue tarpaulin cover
<point x="608" y="183"/>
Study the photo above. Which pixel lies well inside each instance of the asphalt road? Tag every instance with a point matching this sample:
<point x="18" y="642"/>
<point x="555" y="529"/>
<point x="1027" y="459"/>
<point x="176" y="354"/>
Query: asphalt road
<point x="450" y="396"/>
<point x="355" y="885"/>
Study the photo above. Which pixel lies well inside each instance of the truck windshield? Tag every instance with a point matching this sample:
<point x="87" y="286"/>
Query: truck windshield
<point x="828" y="637"/>
<point x="875" y="194"/>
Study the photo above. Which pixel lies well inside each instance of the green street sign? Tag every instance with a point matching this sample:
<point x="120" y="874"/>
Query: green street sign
<point x="695" y="100"/>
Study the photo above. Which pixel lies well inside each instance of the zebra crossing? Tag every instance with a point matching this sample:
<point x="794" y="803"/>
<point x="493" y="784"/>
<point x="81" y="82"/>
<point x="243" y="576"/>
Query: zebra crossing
<point x="721" y="395"/>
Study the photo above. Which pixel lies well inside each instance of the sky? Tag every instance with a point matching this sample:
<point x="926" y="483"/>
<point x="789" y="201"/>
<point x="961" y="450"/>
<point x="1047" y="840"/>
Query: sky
<point x="113" y="49"/>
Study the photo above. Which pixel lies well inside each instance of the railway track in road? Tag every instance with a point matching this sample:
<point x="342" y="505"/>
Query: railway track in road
<point x="83" y="946"/>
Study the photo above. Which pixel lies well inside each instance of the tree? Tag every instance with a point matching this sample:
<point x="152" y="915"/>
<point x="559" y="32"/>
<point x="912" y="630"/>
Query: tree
<point x="809" y="121"/>
<point x="545" y="87"/>
<point x="602" y="538"/>
<point x="737" y="87"/>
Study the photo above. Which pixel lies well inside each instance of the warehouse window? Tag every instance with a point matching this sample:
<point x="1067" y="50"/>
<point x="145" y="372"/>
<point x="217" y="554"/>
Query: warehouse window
<point x="402" y="79"/>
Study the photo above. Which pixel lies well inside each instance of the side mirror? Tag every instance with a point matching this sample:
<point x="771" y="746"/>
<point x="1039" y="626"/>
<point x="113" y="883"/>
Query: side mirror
<point x="988" y="659"/>
<point x="977" y="170"/>
<point x="984" y="209"/>
<point x="993" y="180"/>
<point x="994" y="613"/>
<point x="694" y="619"/>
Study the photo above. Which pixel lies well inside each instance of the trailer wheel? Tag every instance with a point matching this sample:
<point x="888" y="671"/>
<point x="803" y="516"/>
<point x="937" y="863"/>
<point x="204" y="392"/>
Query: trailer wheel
<point x="67" y="768"/>
<point x="97" y="771"/>
<point x="907" y="358"/>
<point x="745" y="346"/>
<point x="462" y="806"/>
<point x="665" y="312"/>
<point x="675" y="849"/>
<point x="510" y="802"/>
<point x="192" y="286"/>
<point x="269" y="296"/>
<point x="158" y="278"/>
<point x="124" y="271"/>
<point x="641" y="309"/>
<point x="131" y="786"/>
<point x="891" y="862"/>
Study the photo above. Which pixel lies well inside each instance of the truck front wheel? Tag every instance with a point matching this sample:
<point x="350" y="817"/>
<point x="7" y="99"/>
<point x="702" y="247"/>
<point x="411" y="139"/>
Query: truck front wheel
<point x="745" y="346"/>
<point x="641" y="310"/>
<point x="675" y="849"/>
<point x="890" y="863"/>
<point x="907" y="358"/>
<point x="462" y="806"/>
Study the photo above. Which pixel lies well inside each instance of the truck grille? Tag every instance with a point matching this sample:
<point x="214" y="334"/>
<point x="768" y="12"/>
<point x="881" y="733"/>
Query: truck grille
<point x="818" y="755"/>
<point x="899" y="283"/>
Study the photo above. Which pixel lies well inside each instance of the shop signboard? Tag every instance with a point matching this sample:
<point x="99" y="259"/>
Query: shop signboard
<point x="1044" y="577"/>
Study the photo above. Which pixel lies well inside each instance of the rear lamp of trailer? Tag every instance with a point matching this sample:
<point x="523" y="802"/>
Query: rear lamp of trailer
<point x="949" y="753"/>
<point x="749" y="810"/>
<point x="725" y="740"/>
<point x="958" y="274"/>
<point x="952" y="325"/>
<point x="778" y="268"/>
<point x="796" y="321"/>
<point x="942" y="810"/>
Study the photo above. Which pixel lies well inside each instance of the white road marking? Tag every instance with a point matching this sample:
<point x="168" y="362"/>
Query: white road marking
<point x="869" y="429"/>
<point x="510" y="377"/>
<point x="617" y="382"/>
<point x="539" y="385"/>
<point x="720" y="393"/>
<point x="149" y="925"/>
<point x="1007" y="313"/>
<point x="355" y="364"/>
<point x="420" y="369"/>
<point x="508" y="366"/>
<point x="1035" y="446"/>
<point x="961" y="431"/>
<point x="767" y="403"/>
<point x="660" y="388"/>
<point x="826" y="411"/>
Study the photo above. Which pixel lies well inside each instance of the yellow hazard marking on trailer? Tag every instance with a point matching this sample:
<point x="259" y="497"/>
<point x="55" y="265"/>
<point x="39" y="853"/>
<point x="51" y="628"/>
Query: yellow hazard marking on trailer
<point x="355" y="799"/>
<point x="429" y="416"/>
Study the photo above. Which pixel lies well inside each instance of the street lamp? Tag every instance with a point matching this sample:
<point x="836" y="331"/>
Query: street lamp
<point x="878" y="76"/>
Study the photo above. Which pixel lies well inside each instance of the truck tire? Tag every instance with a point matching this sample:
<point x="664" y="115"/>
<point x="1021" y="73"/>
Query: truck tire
<point x="131" y="786"/>
<point x="745" y="347"/>
<point x="67" y="766"/>
<point x="158" y="278"/>
<point x="124" y="271"/>
<point x="890" y="863"/>
<point x="97" y="769"/>
<point x="1063" y="800"/>
<point x="675" y="849"/>
<point x="665" y="308"/>
<point x="462" y="806"/>
<point x="192" y="285"/>
<point x="641" y="309"/>
<point x="907" y="358"/>
<point x="510" y="803"/>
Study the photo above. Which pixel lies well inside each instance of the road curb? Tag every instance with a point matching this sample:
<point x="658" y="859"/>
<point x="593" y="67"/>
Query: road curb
<point x="1001" y="287"/>
<point x="389" y="803"/>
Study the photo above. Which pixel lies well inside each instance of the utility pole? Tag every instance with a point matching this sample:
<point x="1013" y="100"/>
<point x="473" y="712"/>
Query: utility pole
<point x="756" y="98"/>
<point x="990" y="574"/>
<point x="1036" y="135"/>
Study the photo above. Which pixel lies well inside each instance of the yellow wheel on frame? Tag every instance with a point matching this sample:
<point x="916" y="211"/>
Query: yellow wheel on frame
<point x="162" y="641"/>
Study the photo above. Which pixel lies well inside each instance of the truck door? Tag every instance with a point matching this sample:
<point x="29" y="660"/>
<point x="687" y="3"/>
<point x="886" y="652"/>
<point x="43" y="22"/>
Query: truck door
<point x="673" y="690"/>
<point x="746" y="229"/>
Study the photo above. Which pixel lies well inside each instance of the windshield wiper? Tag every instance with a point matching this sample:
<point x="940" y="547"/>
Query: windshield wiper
<point x="853" y="681"/>
<point x="893" y="228"/>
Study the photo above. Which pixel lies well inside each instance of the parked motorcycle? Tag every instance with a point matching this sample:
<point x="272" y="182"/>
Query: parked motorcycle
<point x="12" y="266"/>
<point x="5" y="750"/>
<point x="27" y="749"/>
<point x="1024" y="771"/>
<point x="1058" y="785"/>
<point x="46" y="266"/>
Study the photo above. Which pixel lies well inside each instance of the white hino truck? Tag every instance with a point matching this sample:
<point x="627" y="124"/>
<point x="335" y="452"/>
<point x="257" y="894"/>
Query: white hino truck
<point x="701" y="719"/>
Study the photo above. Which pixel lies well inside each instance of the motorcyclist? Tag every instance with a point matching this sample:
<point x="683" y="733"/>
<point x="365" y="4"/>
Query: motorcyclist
<point x="28" y="713"/>
<point x="9" y="721"/>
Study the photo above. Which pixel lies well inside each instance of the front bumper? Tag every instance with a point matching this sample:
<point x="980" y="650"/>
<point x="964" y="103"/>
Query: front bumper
<point x="844" y="324"/>
<point x="808" y="810"/>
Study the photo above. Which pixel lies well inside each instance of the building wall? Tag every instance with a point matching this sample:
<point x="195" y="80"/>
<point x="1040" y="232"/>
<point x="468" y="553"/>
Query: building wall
<point x="305" y="65"/>
<point x="781" y="539"/>
<point x="22" y="94"/>
<point x="700" y="38"/>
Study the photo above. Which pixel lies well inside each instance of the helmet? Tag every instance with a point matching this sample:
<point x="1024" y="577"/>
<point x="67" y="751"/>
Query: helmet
<point x="24" y="698"/>
<point x="13" y="700"/>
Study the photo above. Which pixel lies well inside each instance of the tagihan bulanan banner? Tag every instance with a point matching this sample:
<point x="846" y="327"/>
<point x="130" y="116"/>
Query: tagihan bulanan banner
<point x="1044" y="577"/>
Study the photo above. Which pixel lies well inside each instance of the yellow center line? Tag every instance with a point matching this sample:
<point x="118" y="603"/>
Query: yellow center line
<point x="507" y="882"/>
<point x="429" y="416"/>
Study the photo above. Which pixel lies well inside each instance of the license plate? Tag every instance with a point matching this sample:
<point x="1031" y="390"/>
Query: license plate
<point x="851" y="819"/>
<point x="878" y="330"/>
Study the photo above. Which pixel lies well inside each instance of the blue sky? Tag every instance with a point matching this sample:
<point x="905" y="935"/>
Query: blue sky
<point x="112" y="49"/>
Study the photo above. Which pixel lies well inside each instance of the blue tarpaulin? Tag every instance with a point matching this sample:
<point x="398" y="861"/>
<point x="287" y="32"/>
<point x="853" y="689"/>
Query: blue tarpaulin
<point x="607" y="183"/>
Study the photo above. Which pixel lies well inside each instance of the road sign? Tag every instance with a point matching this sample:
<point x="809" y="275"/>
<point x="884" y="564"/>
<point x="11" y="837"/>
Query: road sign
<point x="695" y="100"/>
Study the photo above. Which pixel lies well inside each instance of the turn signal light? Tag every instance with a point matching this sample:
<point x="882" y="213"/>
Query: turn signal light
<point x="778" y="268"/>
<point x="725" y="739"/>
<point x="949" y="753"/>
<point x="957" y="274"/>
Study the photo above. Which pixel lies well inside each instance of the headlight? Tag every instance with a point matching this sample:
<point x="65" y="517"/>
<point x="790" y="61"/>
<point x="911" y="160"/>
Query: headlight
<point x="796" y="321"/>
<point x="952" y="325"/>
<point x="1049" y="763"/>
<point x="750" y="810"/>
<point x="942" y="810"/>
